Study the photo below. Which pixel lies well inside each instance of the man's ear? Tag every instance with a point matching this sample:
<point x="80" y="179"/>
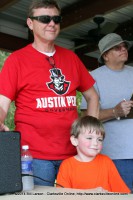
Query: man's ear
<point x="30" y="24"/>
<point x="74" y="141"/>
<point x="105" y="57"/>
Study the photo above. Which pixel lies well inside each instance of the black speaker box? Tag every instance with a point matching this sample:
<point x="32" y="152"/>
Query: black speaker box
<point x="10" y="162"/>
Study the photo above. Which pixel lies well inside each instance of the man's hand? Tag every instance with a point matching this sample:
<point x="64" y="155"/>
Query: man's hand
<point x="123" y="108"/>
<point x="3" y="127"/>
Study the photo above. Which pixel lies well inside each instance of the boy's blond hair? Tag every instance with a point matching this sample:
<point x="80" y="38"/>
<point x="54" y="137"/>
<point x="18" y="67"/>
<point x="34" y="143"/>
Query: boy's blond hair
<point x="87" y="122"/>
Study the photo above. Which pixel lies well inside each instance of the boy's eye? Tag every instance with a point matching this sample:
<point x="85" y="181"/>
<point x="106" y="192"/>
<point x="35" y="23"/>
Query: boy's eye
<point x="89" y="138"/>
<point x="100" y="139"/>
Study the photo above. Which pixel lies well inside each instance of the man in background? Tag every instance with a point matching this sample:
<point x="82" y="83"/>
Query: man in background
<point x="114" y="84"/>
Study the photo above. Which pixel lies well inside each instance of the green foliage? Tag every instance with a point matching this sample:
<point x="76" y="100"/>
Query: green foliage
<point x="10" y="116"/>
<point x="79" y="97"/>
<point x="3" y="56"/>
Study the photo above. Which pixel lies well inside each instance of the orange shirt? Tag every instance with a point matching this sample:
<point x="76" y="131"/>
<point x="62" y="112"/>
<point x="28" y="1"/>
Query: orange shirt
<point x="100" y="172"/>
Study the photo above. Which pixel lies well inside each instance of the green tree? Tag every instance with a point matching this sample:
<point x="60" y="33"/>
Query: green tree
<point x="79" y="97"/>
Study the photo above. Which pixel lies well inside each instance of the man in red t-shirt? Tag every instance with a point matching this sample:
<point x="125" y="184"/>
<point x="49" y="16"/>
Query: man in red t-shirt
<point x="42" y="79"/>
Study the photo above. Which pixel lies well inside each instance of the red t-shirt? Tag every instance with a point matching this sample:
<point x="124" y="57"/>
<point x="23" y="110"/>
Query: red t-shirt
<point x="45" y="98"/>
<point x="100" y="172"/>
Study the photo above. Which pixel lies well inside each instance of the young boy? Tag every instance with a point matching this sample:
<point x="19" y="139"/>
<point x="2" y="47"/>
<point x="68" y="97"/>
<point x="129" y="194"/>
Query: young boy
<point x="89" y="169"/>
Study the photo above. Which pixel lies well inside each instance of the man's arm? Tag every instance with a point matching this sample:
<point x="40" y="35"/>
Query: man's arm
<point x="92" y="100"/>
<point x="4" y="106"/>
<point x="122" y="109"/>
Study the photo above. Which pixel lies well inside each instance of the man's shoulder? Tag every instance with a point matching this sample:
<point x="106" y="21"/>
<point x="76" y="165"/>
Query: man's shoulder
<point x="64" y="50"/>
<point x="100" y="71"/>
<point x="17" y="54"/>
<point x="128" y="67"/>
<point x="23" y="49"/>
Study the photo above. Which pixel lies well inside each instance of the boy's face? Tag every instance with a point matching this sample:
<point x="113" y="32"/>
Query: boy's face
<point x="89" y="144"/>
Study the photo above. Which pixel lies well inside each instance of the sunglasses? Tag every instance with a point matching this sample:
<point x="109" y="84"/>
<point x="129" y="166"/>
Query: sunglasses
<point x="46" y="19"/>
<point x="51" y="61"/>
<point x="119" y="47"/>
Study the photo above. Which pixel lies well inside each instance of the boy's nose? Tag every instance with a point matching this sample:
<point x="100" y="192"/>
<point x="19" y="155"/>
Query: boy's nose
<point x="95" y="142"/>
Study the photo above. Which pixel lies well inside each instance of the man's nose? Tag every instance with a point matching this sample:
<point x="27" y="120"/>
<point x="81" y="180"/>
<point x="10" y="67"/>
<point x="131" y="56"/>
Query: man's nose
<point x="52" y="22"/>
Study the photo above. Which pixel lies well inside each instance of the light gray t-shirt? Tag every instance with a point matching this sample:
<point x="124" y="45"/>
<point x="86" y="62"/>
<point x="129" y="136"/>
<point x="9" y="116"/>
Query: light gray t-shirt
<point x="114" y="86"/>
